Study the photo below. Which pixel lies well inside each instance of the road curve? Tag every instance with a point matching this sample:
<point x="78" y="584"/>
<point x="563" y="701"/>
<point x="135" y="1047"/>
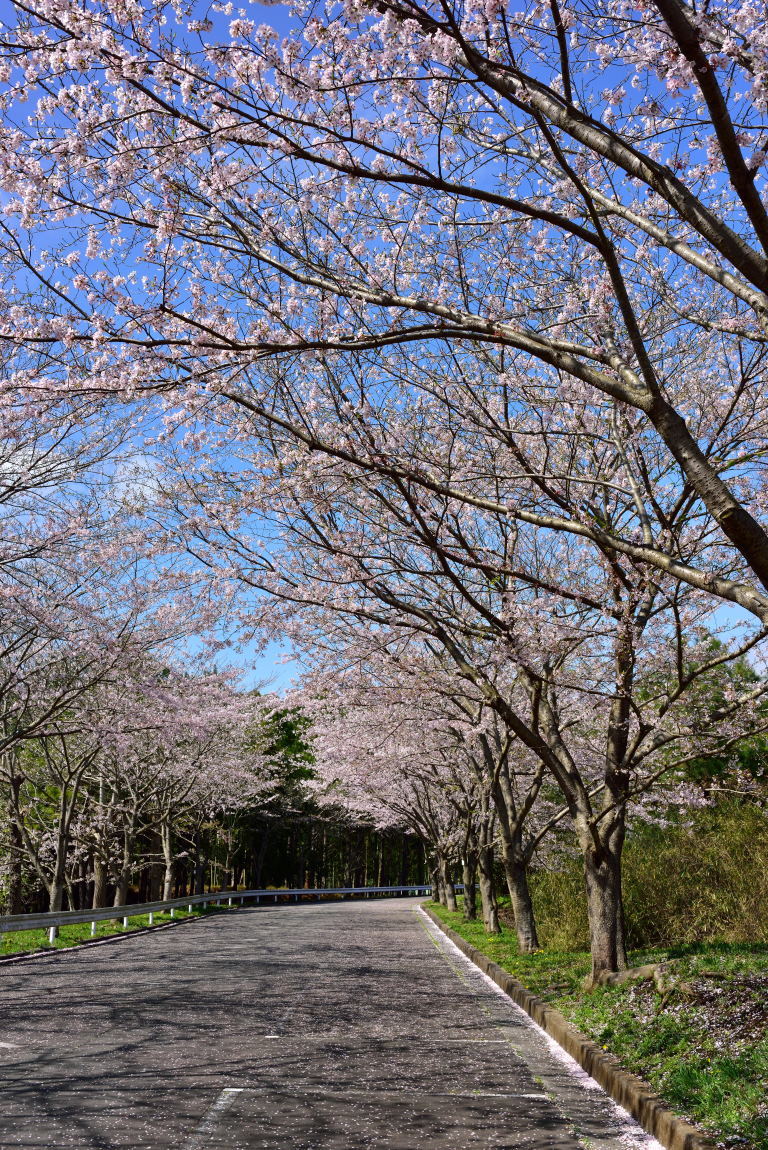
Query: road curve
<point x="318" y="1027"/>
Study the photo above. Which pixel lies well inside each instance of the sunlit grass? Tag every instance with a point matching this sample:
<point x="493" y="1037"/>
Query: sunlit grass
<point x="28" y="941"/>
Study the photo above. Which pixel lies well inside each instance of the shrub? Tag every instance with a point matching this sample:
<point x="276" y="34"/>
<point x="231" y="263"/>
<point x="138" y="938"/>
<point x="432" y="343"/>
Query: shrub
<point x="702" y="878"/>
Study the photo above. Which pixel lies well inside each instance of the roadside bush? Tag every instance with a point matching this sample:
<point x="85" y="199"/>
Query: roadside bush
<point x="701" y="879"/>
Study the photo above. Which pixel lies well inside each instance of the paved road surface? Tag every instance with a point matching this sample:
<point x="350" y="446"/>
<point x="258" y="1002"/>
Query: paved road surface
<point x="319" y="1027"/>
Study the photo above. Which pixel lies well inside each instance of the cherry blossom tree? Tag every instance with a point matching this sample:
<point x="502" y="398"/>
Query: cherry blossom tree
<point x="436" y="253"/>
<point x="589" y="661"/>
<point x="365" y="693"/>
<point x="91" y="598"/>
<point x="177" y="749"/>
<point x="146" y="753"/>
<point x="576" y="192"/>
<point x="384" y="767"/>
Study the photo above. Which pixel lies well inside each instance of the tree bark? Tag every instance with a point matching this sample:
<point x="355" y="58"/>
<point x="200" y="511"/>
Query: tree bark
<point x="100" y="876"/>
<point x="124" y="875"/>
<point x="56" y="891"/>
<point x="15" y="872"/>
<point x="438" y="894"/>
<point x="470" y="887"/>
<point x="58" y="880"/>
<point x="511" y="821"/>
<point x="166" y="839"/>
<point x="488" y="901"/>
<point x="516" y="874"/>
<point x="605" y="906"/>
<point x="446" y="882"/>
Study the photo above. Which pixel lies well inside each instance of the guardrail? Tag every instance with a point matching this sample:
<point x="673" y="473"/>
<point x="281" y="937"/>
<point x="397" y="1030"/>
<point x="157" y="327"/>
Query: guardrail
<point x="52" y="920"/>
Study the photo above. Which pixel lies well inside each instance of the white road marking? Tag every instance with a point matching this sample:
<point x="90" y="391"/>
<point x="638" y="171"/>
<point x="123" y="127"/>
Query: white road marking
<point x="199" y="1137"/>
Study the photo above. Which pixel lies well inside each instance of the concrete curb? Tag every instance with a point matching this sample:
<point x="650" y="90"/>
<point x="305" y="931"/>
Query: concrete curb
<point x="628" y="1090"/>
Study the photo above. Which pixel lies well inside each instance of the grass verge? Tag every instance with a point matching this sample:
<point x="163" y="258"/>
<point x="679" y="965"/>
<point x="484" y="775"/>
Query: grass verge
<point x="29" y="941"/>
<point x="701" y="1042"/>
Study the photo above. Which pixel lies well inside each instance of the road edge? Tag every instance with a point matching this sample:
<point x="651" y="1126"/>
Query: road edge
<point x="631" y="1092"/>
<point x="104" y="940"/>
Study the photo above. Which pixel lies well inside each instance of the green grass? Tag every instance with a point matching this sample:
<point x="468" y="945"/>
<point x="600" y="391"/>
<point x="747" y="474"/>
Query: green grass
<point x="27" y="941"/>
<point x="702" y="1046"/>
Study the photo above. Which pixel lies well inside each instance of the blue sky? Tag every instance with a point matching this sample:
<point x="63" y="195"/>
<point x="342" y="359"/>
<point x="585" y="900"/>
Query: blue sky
<point x="268" y="668"/>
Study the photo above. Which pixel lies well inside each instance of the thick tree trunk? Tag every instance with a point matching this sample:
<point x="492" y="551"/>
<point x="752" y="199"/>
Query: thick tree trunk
<point x="516" y="874"/>
<point x="124" y="875"/>
<point x="605" y="910"/>
<point x="166" y="840"/>
<point x="602" y="858"/>
<point x="56" y="892"/>
<point x="100" y="878"/>
<point x="446" y="882"/>
<point x="438" y="894"/>
<point x="515" y="864"/>
<point x="488" y="890"/>
<point x="469" y="877"/>
<point x="121" y="887"/>
<point x="486" y="882"/>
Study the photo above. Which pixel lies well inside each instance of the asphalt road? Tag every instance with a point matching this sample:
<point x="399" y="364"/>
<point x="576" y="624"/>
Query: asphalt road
<point x="318" y="1027"/>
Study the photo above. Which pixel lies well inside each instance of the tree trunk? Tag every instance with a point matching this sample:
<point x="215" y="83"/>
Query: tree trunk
<point x="166" y="840"/>
<point x="200" y="867"/>
<point x="605" y="909"/>
<point x="58" y="880"/>
<point x="16" y="843"/>
<point x="446" y="882"/>
<point x="100" y="875"/>
<point x="516" y="874"/>
<point x="438" y="894"/>
<point x="470" y="887"/>
<point x="56" y="891"/>
<point x="602" y="858"/>
<point x="124" y="876"/>
<point x="515" y="864"/>
<point x="488" y="890"/>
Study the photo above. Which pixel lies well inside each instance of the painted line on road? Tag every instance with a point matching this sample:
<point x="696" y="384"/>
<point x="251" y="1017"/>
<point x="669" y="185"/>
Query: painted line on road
<point x="330" y="1091"/>
<point x="210" y="1121"/>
